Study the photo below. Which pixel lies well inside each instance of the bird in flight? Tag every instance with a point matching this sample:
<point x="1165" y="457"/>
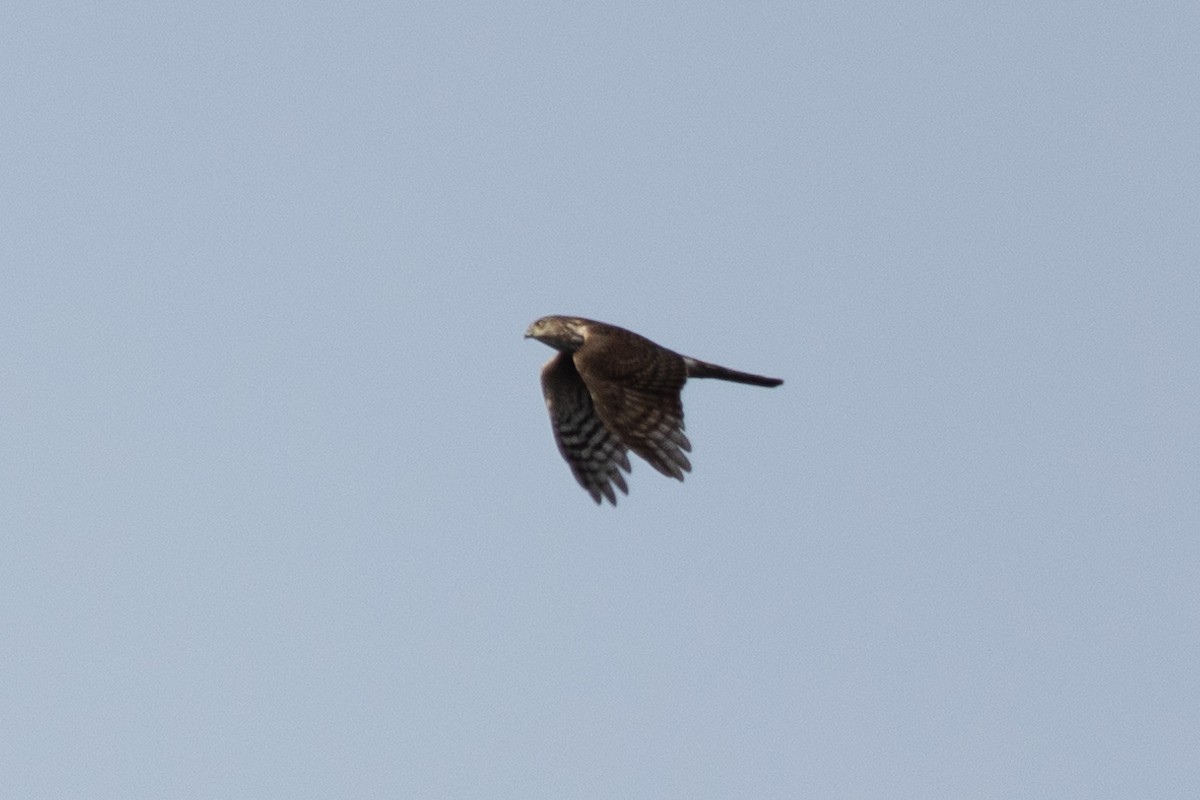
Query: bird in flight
<point x="609" y="390"/>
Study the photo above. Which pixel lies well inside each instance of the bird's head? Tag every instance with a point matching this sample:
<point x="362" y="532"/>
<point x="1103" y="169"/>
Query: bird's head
<point x="561" y="333"/>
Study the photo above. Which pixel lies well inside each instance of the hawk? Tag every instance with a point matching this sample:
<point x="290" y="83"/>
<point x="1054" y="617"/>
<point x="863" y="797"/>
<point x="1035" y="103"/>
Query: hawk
<point x="609" y="390"/>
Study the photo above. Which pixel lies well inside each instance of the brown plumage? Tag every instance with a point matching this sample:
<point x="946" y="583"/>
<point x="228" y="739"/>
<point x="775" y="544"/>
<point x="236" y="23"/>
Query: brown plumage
<point x="610" y="390"/>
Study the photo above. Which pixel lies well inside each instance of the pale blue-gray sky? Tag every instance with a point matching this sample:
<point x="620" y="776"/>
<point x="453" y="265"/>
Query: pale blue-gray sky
<point x="281" y="512"/>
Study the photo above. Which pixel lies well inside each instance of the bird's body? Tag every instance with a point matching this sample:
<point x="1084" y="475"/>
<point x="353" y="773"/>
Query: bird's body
<point x="610" y="390"/>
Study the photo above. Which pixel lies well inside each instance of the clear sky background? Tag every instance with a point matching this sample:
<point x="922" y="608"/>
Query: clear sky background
<point x="281" y="513"/>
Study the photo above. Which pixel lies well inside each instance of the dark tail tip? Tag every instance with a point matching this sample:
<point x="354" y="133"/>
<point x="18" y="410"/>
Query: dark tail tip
<point x="702" y="369"/>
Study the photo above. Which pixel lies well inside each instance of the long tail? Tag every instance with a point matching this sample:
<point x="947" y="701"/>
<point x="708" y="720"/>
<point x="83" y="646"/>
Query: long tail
<point x="702" y="369"/>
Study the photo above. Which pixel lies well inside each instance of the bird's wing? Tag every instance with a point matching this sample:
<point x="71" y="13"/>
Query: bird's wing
<point x="595" y="455"/>
<point x="635" y="387"/>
